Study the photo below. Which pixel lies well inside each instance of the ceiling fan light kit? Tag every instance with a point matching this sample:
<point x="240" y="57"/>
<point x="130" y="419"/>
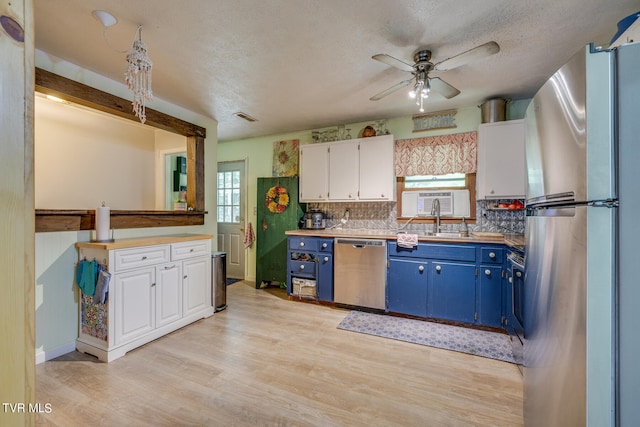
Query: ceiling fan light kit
<point x="139" y="65"/>
<point x="421" y="68"/>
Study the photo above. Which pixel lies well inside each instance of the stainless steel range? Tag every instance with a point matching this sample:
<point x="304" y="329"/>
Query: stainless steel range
<point x="516" y="259"/>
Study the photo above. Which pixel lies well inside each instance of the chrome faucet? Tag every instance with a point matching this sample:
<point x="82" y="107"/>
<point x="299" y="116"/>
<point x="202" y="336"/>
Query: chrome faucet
<point x="435" y="211"/>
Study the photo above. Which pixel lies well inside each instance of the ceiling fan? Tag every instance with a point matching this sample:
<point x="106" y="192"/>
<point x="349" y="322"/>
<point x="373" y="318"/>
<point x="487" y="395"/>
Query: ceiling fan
<point x="423" y="66"/>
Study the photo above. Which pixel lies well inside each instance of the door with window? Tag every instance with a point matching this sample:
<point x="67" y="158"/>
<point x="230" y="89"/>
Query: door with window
<point x="231" y="198"/>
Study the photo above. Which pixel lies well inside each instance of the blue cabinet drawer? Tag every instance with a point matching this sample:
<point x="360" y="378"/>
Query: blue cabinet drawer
<point x="303" y="268"/>
<point x="492" y="255"/>
<point x="306" y="243"/>
<point x="450" y="252"/>
<point x="325" y="245"/>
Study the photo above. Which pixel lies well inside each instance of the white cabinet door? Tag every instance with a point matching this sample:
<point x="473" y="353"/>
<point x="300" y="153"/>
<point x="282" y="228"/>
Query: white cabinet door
<point x="501" y="164"/>
<point x="196" y="285"/>
<point x="377" y="168"/>
<point x="134" y="304"/>
<point x="314" y="172"/>
<point x="343" y="170"/>
<point x="168" y="293"/>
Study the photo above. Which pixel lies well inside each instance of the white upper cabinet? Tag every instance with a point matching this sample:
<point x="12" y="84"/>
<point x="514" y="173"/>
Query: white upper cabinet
<point x="501" y="163"/>
<point x="353" y="170"/>
<point x="314" y="172"/>
<point x="343" y="170"/>
<point x="377" y="169"/>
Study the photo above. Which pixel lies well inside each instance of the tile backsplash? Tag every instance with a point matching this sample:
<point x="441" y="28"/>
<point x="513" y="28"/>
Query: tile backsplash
<point x="382" y="215"/>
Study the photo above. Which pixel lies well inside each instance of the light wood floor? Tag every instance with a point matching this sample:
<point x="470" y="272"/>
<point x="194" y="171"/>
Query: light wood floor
<point x="268" y="361"/>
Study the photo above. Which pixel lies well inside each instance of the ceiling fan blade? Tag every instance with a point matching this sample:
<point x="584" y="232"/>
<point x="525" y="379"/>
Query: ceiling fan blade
<point x="477" y="52"/>
<point x="443" y="88"/>
<point x="394" y="62"/>
<point x="390" y="90"/>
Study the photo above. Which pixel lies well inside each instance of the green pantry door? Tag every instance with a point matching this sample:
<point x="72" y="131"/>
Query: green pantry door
<point x="278" y="210"/>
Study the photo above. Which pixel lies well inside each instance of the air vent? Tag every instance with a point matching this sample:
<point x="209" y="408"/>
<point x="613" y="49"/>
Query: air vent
<point x="245" y="116"/>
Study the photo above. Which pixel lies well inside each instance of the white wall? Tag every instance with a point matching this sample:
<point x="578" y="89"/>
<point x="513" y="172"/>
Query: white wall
<point x="56" y="296"/>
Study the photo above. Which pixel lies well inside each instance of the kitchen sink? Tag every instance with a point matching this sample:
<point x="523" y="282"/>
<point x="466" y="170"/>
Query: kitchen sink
<point x="451" y="235"/>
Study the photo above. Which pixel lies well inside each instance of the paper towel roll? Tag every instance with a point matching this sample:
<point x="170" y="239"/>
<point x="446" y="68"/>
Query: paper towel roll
<point x="103" y="223"/>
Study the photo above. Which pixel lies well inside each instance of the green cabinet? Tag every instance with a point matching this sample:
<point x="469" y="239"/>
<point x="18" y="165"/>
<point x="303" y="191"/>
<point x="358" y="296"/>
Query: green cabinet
<point x="277" y="211"/>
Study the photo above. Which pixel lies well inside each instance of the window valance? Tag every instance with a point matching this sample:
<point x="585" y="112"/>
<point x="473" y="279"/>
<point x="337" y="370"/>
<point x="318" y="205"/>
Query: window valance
<point x="437" y="155"/>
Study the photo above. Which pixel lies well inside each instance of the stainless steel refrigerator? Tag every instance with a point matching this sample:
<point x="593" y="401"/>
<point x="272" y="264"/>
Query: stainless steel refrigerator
<point x="578" y="183"/>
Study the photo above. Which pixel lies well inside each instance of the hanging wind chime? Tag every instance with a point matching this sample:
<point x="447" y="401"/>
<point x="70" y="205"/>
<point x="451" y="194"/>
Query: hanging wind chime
<point x="138" y="76"/>
<point x="138" y="73"/>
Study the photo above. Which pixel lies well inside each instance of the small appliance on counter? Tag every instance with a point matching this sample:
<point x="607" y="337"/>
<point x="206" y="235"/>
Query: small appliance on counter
<point x="314" y="220"/>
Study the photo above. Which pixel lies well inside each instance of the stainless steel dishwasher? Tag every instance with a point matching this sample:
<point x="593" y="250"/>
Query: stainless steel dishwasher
<point x="360" y="269"/>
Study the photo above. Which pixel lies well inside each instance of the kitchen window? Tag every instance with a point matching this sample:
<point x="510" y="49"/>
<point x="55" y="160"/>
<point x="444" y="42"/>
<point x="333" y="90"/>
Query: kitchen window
<point x="452" y="181"/>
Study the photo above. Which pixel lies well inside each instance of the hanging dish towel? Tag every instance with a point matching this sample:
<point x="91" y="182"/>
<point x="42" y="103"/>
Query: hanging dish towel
<point x="86" y="276"/>
<point x="407" y="240"/>
<point x="102" y="287"/>
<point x="249" y="237"/>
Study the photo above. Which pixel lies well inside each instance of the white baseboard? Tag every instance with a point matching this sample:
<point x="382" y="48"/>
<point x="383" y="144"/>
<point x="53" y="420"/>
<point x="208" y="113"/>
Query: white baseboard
<point x="43" y="356"/>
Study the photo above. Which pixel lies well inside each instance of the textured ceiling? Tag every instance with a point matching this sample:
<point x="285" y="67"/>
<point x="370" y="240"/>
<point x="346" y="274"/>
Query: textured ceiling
<point x="305" y="64"/>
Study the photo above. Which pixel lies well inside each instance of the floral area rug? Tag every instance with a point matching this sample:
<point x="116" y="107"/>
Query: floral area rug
<point x="493" y="345"/>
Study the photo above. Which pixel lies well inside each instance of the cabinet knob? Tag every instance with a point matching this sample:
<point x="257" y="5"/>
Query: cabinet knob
<point x="487" y="272"/>
<point x="350" y="196"/>
<point x="324" y="245"/>
<point x="185" y="276"/>
<point x="326" y="259"/>
<point x="510" y="279"/>
<point x="438" y="268"/>
<point x="492" y="255"/>
<point x="302" y="267"/>
<point x="143" y="258"/>
<point x="421" y="268"/>
<point x="191" y="250"/>
<point x="382" y="195"/>
<point x="301" y="243"/>
<point x="518" y="274"/>
<point x="153" y="284"/>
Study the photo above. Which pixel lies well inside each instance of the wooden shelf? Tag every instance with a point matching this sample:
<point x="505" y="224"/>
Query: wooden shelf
<point x="76" y="220"/>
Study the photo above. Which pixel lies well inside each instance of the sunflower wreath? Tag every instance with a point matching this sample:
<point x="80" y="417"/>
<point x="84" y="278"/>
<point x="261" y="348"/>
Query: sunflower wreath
<point x="277" y="199"/>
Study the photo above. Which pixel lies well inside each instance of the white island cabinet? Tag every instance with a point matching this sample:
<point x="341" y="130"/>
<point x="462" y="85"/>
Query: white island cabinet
<point x="158" y="284"/>
<point x="501" y="168"/>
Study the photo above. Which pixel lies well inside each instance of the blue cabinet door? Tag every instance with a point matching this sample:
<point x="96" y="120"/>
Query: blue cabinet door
<point x="451" y="290"/>
<point x="324" y="282"/>
<point x="407" y="287"/>
<point x="490" y="295"/>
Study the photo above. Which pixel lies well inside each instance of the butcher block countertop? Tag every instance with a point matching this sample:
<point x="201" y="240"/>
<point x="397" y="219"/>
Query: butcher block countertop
<point x="474" y="237"/>
<point x="143" y="241"/>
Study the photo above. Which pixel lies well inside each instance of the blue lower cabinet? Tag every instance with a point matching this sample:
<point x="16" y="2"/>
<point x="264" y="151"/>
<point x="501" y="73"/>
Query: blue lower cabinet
<point x="324" y="281"/>
<point x="407" y="287"/>
<point x="490" y="295"/>
<point x="450" y="281"/>
<point x="311" y="258"/>
<point x="452" y="291"/>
